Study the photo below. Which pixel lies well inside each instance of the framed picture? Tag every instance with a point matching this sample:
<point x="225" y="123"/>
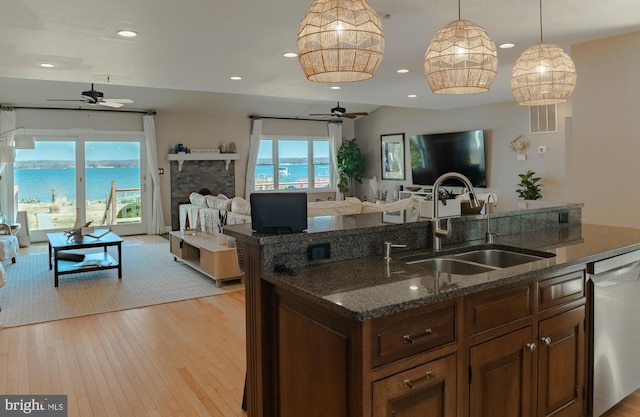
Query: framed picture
<point x="392" y="156"/>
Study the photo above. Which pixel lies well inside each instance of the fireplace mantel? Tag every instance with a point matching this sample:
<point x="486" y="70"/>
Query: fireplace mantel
<point x="181" y="157"/>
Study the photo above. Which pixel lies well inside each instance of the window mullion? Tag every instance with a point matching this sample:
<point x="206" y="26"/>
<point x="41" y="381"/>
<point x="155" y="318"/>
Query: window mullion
<point x="276" y="165"/>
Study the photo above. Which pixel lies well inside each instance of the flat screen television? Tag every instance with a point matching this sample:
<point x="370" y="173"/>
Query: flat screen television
<point x="435" y="154"/>
<point x="278" y="213"/>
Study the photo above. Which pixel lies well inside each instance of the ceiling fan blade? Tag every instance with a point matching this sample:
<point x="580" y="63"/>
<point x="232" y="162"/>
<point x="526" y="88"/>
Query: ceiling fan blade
<point x="66" y="99"/>
<point x="354" y="115"/>
<point x="110" y="104"/>
<point x="320" y="114"/>
<point x="118" y="100"/>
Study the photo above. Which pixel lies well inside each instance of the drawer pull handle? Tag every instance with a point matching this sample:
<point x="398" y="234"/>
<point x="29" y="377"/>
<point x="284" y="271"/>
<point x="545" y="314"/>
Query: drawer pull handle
<point x="546" y="340"/>
<point x="406" y="339"/>
<point x="412" y="384"/>
<point x="531" y="346"/>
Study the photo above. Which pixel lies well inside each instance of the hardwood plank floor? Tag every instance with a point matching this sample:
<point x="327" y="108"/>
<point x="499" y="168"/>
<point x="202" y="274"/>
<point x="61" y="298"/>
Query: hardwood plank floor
<point x="177" y="359"/>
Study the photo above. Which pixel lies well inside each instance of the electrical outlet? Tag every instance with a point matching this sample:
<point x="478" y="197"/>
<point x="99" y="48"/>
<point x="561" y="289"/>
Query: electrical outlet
<point x="319" y="251"/>
<point x="563" y="217"/>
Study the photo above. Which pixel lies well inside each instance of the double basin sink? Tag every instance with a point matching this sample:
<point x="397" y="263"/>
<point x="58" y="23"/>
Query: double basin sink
<point x="478" y="260"/>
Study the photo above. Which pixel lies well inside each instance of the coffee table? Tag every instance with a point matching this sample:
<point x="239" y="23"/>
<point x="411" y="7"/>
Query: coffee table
<point x="92" y="261"/>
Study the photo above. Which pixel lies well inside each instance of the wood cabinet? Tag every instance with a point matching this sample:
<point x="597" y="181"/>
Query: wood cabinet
<point x="561" y="370"/>
<point x="426" y="390"/>
<point x="513" y="351"/>
<point x="533" y="365"/>
<point x="500" y="376"/>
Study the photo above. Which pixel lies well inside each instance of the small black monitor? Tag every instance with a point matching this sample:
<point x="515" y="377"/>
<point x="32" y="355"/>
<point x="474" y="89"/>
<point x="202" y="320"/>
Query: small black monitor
<point x="278" y="213"/>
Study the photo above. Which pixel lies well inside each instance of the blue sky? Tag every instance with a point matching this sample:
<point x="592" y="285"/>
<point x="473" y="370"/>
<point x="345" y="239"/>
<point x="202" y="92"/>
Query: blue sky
<point x="295" y="149"/>
<point x="46" y="151"/>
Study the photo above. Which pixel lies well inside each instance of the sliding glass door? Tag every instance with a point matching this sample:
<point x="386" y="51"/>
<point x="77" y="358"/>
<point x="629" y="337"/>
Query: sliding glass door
<point x="89" y="179"/>
<point x="112" y="186"/>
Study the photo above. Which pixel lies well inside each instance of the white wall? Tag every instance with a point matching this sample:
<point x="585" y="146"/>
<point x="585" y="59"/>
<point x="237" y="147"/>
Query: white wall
<point x="501" y="123"/>
<point x="605" y="145"/>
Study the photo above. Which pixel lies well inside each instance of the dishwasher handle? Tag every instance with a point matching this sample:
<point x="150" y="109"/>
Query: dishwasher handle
<point x="612" y="263"/>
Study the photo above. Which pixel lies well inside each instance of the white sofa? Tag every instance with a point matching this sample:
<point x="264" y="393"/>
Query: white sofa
<point x="205" y="213"/>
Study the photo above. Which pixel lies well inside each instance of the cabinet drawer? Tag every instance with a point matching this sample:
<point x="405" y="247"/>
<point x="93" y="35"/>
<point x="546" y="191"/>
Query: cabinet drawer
<point x="498" y="307"/>
<point x="407" y="334"/>
<point x="426" y="390"/>
<point x="559" y="290"/>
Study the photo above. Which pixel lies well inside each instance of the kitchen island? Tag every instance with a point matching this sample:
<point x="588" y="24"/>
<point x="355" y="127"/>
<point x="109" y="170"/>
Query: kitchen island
<point x="363" y="337"/>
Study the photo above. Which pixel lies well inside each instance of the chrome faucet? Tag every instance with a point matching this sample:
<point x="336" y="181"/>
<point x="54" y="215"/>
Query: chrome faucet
<point x="387" y="250"/>
<point x="436" y="229"/>
<point x="489" y="235"/>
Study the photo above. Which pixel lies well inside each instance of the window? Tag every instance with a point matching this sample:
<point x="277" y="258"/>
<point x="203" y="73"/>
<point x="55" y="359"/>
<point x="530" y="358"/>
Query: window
<point x="293" y="164"/>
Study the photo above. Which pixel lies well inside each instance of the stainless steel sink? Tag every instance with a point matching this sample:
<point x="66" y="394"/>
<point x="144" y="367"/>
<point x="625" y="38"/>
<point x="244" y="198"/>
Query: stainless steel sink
<point x="497" y="257"/>
<point x="452" y="266"/>
<point x="477" y="260"/>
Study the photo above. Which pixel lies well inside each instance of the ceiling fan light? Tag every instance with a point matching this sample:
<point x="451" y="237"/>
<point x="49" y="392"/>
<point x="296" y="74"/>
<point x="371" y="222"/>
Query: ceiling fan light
<point x="461" y="59"/>
<point x="543" y="74"/>
<point x="340" y="41"/>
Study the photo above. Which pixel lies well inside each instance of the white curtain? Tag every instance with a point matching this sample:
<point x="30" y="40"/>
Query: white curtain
<point x="8" y="122"/>
<point x="156" y="224"/>
<point x="256" y="133"/>
<point x="335" y="134"/>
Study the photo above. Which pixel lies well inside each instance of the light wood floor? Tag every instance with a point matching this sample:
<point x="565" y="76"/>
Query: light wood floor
<point x="177" y="359"/>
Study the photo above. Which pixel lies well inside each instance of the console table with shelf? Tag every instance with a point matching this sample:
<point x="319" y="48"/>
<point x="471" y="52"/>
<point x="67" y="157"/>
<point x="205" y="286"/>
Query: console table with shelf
<point x="203" y="253"/>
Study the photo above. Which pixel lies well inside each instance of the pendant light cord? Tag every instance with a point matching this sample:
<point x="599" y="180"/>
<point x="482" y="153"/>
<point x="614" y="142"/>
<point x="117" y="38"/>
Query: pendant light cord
<point x="540" y="21"/>
<point x="459" y="9"/>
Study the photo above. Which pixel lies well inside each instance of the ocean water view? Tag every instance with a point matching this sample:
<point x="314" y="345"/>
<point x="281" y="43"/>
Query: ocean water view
<point x="39" y="185"/>
<point x="297" y="175"/>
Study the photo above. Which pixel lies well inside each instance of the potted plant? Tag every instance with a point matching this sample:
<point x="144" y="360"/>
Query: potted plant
<point x="529" y="186"/>
<point x="351" y="165"/>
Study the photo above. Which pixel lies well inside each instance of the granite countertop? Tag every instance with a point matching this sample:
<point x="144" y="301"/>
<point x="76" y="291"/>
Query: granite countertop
<point x="368" y="288"/>
<point x="348" y="224"/>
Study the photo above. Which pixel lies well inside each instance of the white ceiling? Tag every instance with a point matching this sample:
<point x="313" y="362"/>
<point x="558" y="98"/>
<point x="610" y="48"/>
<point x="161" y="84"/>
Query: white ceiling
<point x="189" y="48"/>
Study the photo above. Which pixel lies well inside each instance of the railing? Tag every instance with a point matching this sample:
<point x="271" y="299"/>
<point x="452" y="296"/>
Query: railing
<point x="115" y="206"/>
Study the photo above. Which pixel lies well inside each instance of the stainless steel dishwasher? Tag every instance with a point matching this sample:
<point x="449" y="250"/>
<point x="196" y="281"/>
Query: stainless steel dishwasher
<point x="615" y="287"/>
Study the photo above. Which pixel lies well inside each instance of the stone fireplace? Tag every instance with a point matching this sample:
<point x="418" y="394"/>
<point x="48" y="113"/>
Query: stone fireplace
<point x="196" y="175"/>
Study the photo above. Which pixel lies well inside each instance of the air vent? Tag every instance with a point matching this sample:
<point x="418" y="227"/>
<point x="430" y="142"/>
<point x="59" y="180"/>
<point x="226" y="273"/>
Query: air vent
<point x="543" y="119"/>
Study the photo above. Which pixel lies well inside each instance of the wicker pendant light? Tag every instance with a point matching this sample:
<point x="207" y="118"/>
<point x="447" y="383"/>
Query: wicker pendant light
<point x="340" y="41"/>
<point x="461" y="59"/>
<point x="543" y="74"/>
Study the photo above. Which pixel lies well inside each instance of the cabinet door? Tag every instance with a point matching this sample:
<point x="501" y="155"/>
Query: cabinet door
<point x="561" y="365"/>
<point x="501" y="376"/>
<point x="428" y="390"/>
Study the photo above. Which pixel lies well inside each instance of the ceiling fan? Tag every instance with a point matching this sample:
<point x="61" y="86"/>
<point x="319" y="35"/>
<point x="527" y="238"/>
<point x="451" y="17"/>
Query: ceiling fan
<point x="340" y="112"/>
<point x="97" y="97"/>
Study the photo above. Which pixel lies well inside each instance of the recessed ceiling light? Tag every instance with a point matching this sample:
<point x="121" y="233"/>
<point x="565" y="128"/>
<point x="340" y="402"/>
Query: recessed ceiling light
<point x="402" y="71"/>
<point x="335" y="87"/>
<point x="46" y="65"/>
<point x="236" y="78"/>
<point x="126" y="33"/>
<point x="507" y="45"/>
<point x="412" y="95"/>
<point x="289" y="55"/>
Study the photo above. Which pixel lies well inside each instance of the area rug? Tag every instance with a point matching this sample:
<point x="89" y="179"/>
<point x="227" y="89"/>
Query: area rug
<point x="149" y="276"/>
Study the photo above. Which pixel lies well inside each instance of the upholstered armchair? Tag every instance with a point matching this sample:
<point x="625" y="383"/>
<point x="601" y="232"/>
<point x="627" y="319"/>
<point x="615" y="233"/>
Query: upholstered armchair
<point x="9" y="244"/>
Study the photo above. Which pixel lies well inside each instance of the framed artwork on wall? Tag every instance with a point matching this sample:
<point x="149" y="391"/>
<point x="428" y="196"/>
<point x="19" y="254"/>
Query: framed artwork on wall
<point x="392" y="156"/>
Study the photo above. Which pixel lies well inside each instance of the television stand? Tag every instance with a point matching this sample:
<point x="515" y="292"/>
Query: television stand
<point x="202" y="253"/>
